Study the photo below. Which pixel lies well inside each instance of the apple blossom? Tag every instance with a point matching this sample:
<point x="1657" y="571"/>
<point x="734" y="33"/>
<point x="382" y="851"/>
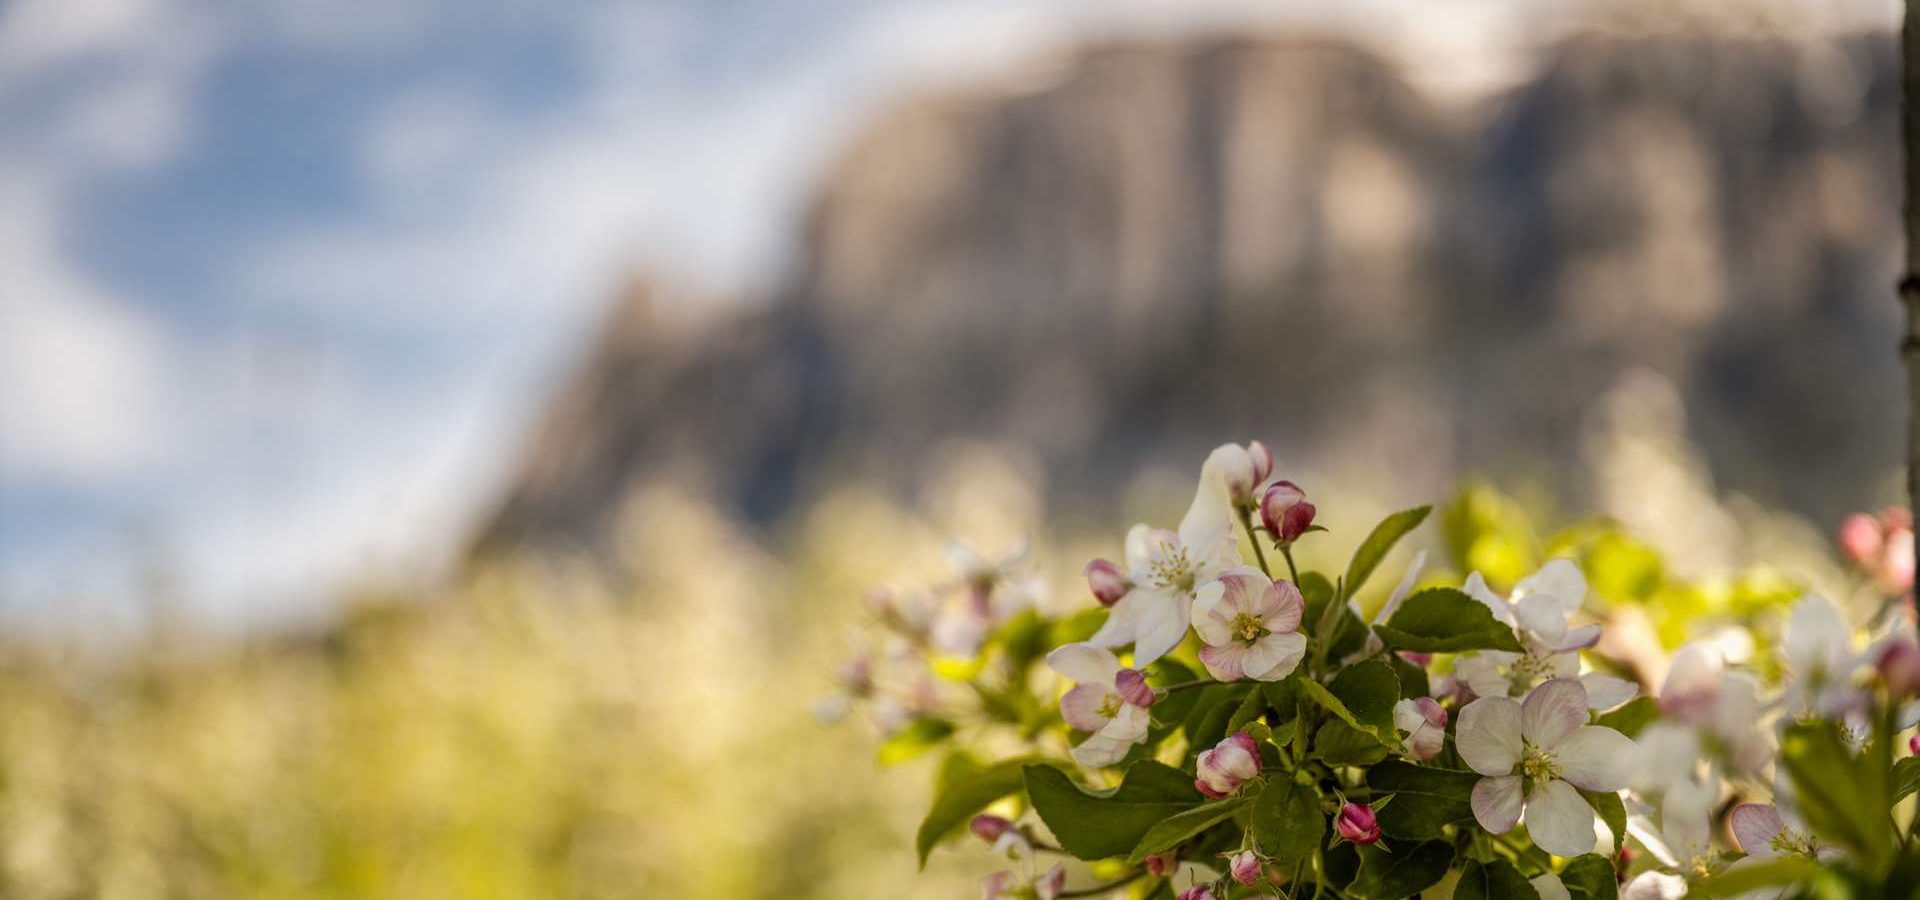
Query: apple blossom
<point x="1262" y="462"/>
<point x="1197" y="892"/>
<point x="1425" y="722"/>
<point x="1538" y="613"/>
<point x="1653" y="885"/>
<point x="1705" y="705"/>
<point x="1228" y="765"/>
<point x="1245" y="867"/>
<point x="1682" y="838"/>
<point x="1168" y="567"/>
<point x="1106" y="702"/>
<point x="1251" y="626"/>
<point x="1107" y="581"/>
<point x="1534" y="755"/>
<point x="1550" y="887"/>
<point x="1881" y="547"/>
<point x="1285" y="512"/>
<point x="989" y="827"/>
<point x="1818" y="645"/>
<point x="1356" y="823"/>
<point x="1764" y="833"/>
<point x="1048" y="886"/>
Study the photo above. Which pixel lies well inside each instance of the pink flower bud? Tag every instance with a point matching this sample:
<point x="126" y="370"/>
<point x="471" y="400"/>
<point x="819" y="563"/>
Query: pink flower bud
<point x="1228" y="765"/>
<point x="997" y="886"/>
<point x="1896" y="563"/>
<point x="1860" y="538"/>
<point x="1133" y="688"/>
<point x="1262" y="462"/>
<point x="1245" y="867"/>
<point x="1422" y="660"/>
<point x="988" y="827"/>
<point x="1356" y="823"/>
<point x="1051" y="882"/>
<point x="1161" y="865"/>
<point x="1109" y="584"/>
<point x="1913" y="745"/>
<point x="1197" y="892"/>
<point x="1899" y="667"/>
<point x="1285" y="512"/>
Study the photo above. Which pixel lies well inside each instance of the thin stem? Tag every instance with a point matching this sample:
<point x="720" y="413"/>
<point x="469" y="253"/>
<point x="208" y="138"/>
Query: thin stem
<point x="1100" y="890"/>
<point x="1253" y="537"/>
<point x="1186" y="685"/>
<point x="1286" y="552"/>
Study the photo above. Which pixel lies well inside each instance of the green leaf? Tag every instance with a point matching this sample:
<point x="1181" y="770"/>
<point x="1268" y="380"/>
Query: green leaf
<point x="1317" y="592"/>
<point x="1496" y="880"/>
<point x="1404" y="872"/>
<point x="1444" y="620"/>
<point x="1425" y="799"/>
<point x="1172" y="710"/>
<point x="1361" y="695"/>
<point x="1612" y="811"/>
<point x="1340" y="744"/>
<point x="921" y="735"/>
<point x="1632" y="716"/>
<point x="1413" y="679"/>
<point x="1349" y="635"/>
<point x="1590" y="877"/>
<point x="1375" y="548"/>
<point x="1249" y="710"/>
<point x="1774" y="873"/>
<point x="1207" y="725"/>
<point x="1175" y="830"/>
<point x="1098" y="824"/>
<point x="1906" y="777"/>
<point x="1841" y="798"/>
<point x="961" y="797"/>
<point x="1287" y="823"/>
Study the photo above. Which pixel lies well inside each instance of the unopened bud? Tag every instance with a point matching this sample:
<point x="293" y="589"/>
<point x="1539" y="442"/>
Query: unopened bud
<point x="1228" y="765"/>
<point x="1245" y="867"/>
<point x="1860" y="538"/>
<point x="1356" y="823"/>
<point x="1913" y="745"/>
<point x="1285" y="512"/>
<point x="1262" y="462"/>
<point x="1161" y="865"/>
<point x="1133" y="688"/>
<point x="989" y="827"/>
<point x="1051" y="882"/>
<point x="1896" y="563"/>
<point x="1197" y="892"/>
<point x="1899" y="667"/>
<point x="1109" y="584"/>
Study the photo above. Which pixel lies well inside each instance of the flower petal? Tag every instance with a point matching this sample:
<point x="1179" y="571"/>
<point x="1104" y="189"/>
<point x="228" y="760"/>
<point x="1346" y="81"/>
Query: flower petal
<point x="1606" y="692"/>
<point x="1481" y="671"/>
<point x="1086" y="664"/>
<point x="1123" y="620"/>
<point x="1497" y="803"/>
<point x="1161" y="628"/>
<point x="1476" y="587"/>
<point x="1560" y="579"/>
<point x="1579" y="638"/>
<point x="1553" y="711"/>
<point x="1275" y="656"/>
<point x="1596" y="758"/>
<point x="1081" y="707"/>
<point x="1488" y="735"/>
<point x="1211" y="616"/>
<point x="1755" y="825"/>
<point x="1654" y="886"/>
<point x="1550" y="887"/>
<point x="1225" y="662"/>
<point x="1287" y="607"/>
<point x="1559" y="819"/>
<point x="1542" y="615"/>
<point x="1100" y="751"/>
<point x="1130" y="725"/>
<point x="1144" y="545"/>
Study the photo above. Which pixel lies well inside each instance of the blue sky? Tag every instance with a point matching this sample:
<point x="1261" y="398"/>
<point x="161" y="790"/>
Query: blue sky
<point x="281" y="282"/>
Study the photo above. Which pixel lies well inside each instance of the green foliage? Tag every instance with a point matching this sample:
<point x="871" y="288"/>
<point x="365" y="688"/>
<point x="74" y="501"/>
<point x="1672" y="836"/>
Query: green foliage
<point x="1590" y="877"/>
<point x="1444" y="620"/>
<point x="1098" y="824"/>
<point x="922" y="735"/>
<point x="1378" y="543"/>
<point x="1611" y="811"/>
<point x="1174" y="830"/>
<point x="1631" y="716"/>
<point x="1495" y="880"/>
<point x="1402" y="873"/>
<point x="1905" y="777"/>
<point x="1340" y="744"/>
<point x="1843" y="797"/>
<point x="1287" y="822"/>
<point x="961" y="796"/>
<point x="1425" y="799"/>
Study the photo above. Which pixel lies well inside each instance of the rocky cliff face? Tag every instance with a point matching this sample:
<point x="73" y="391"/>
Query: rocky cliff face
<point x="1175" y="242"/>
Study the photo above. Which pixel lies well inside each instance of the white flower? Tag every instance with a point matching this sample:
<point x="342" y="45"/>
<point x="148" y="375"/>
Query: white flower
<point x="1539" y="612"/>
<point x="1251" y="625"/>
<point x="1167" y="568"/>
<point x="1682" y="838"/>
<point x="1550" y="887"/>
<point x="1535" y="754"/>
<point x="1764" y="832"/>
<point x="1425" y="722"/>
<point x="1652" y="885"/>
<point x="1705" y="706"/>
<point x="1108" y="702"/>
<point x="1818" y="645"/>
<point x="1224" y="768"/>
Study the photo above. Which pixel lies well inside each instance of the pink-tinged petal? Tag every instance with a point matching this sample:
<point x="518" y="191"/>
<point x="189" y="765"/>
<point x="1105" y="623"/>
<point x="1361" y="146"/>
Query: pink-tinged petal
<point x="1245" y="867"/>
<point x="1543" y="616"/>
<point x="1579" y="638"/>
<point x="1161" y="628"/>
<point x="1123" y="620"/>
<point x="1275" y="656"/>
<point x="1654" y="886"/>
<point x="1081" y="707"/>
<point x="1085" y="663"/>
<point x="1285" y="608"/>
<point x="1133" y="688"/>
<point x="1488" y="736"/>
<point x="1560" y="579"/>
<point x="1245" y="587"/>
<point x="1211" y="615"/>
<point x="1553" y="712"/>
<point x="1596" y="758"/>
<point x="1481" y="671"/>
<point x="1606" y="692"/>
<point x="1755" y="825"/>
<point x="1559" y="820"/>
<point x="1247" y="745"/>
<point x="1225" y="662"/>
<point x="1100" y="751"/>
<point x="1497" y="803"/>
<point x="997" y="886"/>
<point x="1130" y="725"/>
<point x="1262" y="461"/>
<point x="1051" y="882"/>
<point x="1106" y="581"/>
<point x="1550" y="887"/>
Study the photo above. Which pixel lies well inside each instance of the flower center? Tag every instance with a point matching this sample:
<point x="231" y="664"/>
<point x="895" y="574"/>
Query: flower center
<point x="1248" y="627"/>
<point x="1110" y="706"/>
<point x="1539" y="765"/>
<point x="1793" y="843"/>
<point x="1524" y="672"/>
<point x="1173" y="570"/>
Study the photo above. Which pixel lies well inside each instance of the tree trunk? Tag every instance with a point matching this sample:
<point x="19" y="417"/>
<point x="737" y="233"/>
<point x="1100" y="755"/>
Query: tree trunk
<point x="1910" y="282"/>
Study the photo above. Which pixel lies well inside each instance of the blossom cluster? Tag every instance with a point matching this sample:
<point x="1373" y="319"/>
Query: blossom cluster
<point x="1223" y="724"/>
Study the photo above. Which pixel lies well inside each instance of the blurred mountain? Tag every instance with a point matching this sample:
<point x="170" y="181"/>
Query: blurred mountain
<point x="1169" y="243"/>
